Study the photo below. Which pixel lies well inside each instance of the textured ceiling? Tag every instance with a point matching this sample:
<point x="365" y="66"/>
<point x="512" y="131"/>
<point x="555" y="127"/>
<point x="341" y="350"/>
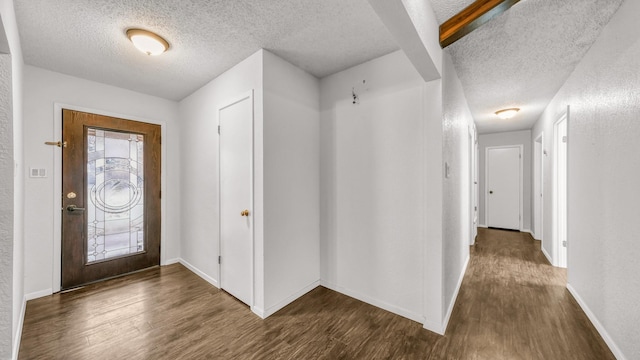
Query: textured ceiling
<point x="445" y="9"/>
<point x="518" y="59"/>
<point x="86" y="38"/>
<point x="522" y="57"/>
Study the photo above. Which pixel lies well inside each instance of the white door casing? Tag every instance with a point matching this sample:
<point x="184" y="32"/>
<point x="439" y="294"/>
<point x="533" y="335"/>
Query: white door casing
<point x="503" y="193"/>
<point x="560" y="139"/>
<point x="236" y="197"/>
<point x="538" y="181"/>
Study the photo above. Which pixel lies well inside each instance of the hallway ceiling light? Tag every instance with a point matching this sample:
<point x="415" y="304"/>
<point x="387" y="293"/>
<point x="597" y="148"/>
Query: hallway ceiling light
<point x="507" y="113"/>
<point x="147" y="42"/>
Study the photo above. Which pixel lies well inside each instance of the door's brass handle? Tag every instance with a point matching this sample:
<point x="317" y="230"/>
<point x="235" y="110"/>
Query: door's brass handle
<point x="244" y="213"/>
<point x="72" y="208"/>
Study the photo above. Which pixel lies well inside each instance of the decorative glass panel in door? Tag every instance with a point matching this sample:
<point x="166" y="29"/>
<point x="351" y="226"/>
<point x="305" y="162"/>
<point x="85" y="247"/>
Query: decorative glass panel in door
<point x="115" y="184"/>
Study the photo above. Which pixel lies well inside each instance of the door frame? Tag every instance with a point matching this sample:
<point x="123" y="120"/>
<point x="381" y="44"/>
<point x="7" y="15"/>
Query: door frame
<point x="486" y="182"/>
<point x="538" y="235"/>
<point x="57" y="185"/>
<point x="558" y="260"/>
<point x="472" y="185"/>
<point x="225" y="104"/>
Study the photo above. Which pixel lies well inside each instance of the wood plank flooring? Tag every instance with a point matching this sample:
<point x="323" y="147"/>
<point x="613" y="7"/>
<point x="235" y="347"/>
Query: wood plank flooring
<point x="512" y="305"/>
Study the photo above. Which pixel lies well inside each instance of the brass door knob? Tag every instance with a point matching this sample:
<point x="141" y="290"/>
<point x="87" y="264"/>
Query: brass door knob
<point x="244" y="213"/>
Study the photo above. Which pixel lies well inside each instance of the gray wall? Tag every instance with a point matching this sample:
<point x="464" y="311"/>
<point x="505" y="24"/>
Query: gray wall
<point x="501" y="139"/>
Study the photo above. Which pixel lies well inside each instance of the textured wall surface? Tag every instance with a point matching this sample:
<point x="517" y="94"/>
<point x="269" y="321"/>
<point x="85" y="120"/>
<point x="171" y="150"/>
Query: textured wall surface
<point x="6" y="208"/>
<point x="372" y="184"/>
<point x="502" y="139"/>
<point x="42" y="89"/>
<point x="456" y="209"/>
<point x="604" y="168"/>
<point x="291" y="181"/>
<point x="200" y="238"/>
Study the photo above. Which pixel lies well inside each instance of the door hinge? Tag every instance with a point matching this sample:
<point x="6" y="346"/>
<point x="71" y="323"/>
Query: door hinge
<point x="160" y="194"/>
<point x="219" y="259"/>
<point x="564" y="243"/>
<point x="564" y="139"/>
<point x="519" y="156"/>
<point x="218" y="129"/>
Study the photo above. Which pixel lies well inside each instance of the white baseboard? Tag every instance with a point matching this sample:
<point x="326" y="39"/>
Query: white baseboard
<point x="171" y="261"/>
<point x="18" y="334"/>
<point x="200" y="273"/>
<point x="483" y="226"/>
<point x="546" y="254"/>
<point x="258" y="311"/>
<point x="375" y="302"/>
<point x="433" y="327"/>
<point x="291" y="298"/>
<point x="445" y="323"/>
<point x="596" y="323"/>
<point x="38" y="294"/>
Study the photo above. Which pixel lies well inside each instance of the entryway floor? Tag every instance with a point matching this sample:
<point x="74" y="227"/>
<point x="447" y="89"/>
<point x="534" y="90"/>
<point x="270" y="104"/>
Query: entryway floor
<point x="512" y="305"/>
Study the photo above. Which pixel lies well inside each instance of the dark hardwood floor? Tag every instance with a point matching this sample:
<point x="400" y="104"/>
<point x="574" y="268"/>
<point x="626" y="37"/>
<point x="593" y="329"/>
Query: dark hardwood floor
<point x="512" y="305"/>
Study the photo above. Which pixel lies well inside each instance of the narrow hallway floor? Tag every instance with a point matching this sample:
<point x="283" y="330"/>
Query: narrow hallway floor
<point x="514" y="305"/>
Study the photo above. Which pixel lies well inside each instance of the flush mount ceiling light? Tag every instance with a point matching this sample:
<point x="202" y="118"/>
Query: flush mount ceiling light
<point x="147" y="42"/>
<point x="507" y="113"/>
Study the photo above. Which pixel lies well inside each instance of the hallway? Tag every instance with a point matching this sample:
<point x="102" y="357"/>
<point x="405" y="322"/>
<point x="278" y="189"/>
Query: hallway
<point x="512" y="305"/>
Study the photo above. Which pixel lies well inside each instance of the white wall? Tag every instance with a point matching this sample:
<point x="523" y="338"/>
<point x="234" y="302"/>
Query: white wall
<point x="291" y="182"/>
<point x="503" y="139"/>
<point x="604" y="168"/>
<point x="200" y="241"/>
<point x="43" y="88"/>
<point x="373" y="184"/>
<point x="286" y="180"/>
<point x="16" y="305"/>
<point x="6" y="207"/>
<point x="456" y="209"/>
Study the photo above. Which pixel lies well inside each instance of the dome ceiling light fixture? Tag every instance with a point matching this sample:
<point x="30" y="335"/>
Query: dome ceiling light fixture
<point x="507" y="113"/>
<point x="147" y="42"/>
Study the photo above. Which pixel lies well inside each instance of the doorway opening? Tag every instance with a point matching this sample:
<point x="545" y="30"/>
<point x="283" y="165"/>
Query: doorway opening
<point x="503" y="187"/>
<point x="538" y="187"/>
<point x="560" y="155"/>
<point x="236" y="259"/>
<point x="473" y="187"/>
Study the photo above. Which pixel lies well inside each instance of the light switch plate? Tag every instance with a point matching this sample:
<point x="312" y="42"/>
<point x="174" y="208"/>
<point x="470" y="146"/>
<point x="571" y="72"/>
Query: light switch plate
<point x="37" y="173"/>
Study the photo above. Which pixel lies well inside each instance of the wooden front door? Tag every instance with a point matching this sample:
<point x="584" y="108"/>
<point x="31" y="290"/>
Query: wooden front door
<point x="110" y="197"/>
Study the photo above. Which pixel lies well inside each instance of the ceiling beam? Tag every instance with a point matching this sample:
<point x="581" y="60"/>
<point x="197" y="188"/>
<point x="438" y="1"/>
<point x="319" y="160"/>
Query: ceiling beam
<point x="471" y="18"/>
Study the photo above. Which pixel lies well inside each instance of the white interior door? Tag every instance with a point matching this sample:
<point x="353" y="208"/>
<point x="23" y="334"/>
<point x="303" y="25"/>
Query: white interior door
<point x="560" y="139"/>
<point x="503" y="187"/>
<point x="236" y="198"/>
<point x="472" y="187"/>
<point x="537" y="188"/>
